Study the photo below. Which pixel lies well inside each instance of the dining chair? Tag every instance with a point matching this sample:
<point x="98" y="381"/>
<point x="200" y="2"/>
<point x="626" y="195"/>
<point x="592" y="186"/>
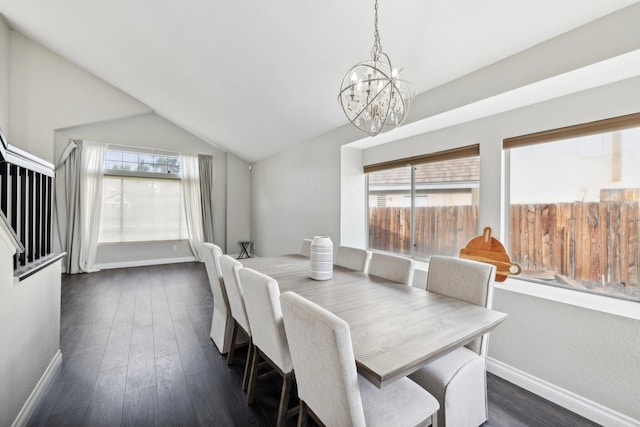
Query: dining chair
<point x="329" y="387"/>
<point x="352" y="258"/>
<point x="221" y="321"/>
<point x="392" y="267"/>
<point x="458" y="379"/>
<point x="262" y="300"/>
<point x="305" y="250"/>
<point x="230" y="268"/>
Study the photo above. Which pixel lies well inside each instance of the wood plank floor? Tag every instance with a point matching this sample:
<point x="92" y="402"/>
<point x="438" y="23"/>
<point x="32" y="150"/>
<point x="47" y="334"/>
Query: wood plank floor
<point x="136" y="352"/>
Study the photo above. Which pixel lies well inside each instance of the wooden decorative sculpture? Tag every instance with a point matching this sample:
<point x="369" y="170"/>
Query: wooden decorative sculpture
<point x="487" y="249"/>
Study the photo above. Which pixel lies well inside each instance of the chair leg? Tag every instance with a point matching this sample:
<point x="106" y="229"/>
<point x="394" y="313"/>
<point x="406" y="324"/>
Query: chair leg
<point x="245" y="377"/>
<point x="232" y="347"/>
<point x="287" y="380"/>
<point x="253" y="376"/>
<point x="303" y="416"/>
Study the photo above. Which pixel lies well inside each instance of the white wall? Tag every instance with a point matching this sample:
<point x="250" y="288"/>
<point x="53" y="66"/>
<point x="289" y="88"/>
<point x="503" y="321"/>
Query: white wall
<point x="49" y="93"/>
<point x="295" y="194"/>
<point x="29" y="329"/>
<point x="590" y="353"/>
<point x="5" y="70"/>
<point x="352" y="195"/>
<point x="238" y="196"/>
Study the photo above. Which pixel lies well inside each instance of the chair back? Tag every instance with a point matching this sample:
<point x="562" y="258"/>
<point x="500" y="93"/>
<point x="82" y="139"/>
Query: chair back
<point x="323" y="360"/>
<point x="305" y="249"/>
<point x="262" y="300"/>
<point x="352" y="258"/>
<point x="466" y="280"/>
<point x="230" y="268"/>
<point x="392" y="267"/>
<point x="212" y="254"/>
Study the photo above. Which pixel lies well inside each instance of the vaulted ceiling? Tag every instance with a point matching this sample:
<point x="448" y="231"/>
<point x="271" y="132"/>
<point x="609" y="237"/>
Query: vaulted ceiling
<point x="255" y="77"/>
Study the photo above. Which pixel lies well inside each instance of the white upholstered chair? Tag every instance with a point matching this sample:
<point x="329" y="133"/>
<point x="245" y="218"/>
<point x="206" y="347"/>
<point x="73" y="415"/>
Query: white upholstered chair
<point x="458" y="379"/>
<point x="262" y="300"/>
<point x="221" y="321"/>
<point x="392" y="267"/>
<point x="305" y="249"/>
<point x="329" y="387"/>
<point x="230" y="268"/>
<point x="352" y="258"/>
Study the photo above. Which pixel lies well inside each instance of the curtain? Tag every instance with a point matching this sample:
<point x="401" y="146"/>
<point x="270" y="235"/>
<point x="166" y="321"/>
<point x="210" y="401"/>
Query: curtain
<point x="66" y="200"/>
<point x="192" y="203"/>
<point x="205" y="165"/>
<point x="78" y="199"/>
<point x="91" y="173"/>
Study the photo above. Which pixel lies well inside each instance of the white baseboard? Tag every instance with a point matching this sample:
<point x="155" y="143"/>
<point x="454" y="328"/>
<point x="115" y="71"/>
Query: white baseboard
<point x="569" y="400"/>
<point x="143" y="263"/>
<point x="34" y="398"/>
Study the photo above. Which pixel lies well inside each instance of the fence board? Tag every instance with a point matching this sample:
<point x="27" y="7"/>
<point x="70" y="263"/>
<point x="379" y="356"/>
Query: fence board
<point x="581" y="240"/>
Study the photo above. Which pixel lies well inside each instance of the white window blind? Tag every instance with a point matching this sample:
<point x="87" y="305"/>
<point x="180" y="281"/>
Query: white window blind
<point x="141" y="209"/>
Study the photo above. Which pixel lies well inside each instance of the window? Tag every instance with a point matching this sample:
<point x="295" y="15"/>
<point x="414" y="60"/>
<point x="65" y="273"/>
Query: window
<point x="425" y="208"/>
<point x="150" y="161"/>
<point x="574" y="207"/>
<point x="142" y="197"/>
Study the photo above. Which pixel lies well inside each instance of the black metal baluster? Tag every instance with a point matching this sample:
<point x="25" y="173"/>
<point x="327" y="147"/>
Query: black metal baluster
<point x="37" y="226"/>
<point x="13" y="212"/>
<point x="4" y="187"/>
<point x="49" y="182"/>
<point x="30" y="215"/>
<point x="22" y="214"/>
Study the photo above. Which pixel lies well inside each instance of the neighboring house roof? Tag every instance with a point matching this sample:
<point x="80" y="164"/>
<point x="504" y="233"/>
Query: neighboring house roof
<point x="458" y="170"/>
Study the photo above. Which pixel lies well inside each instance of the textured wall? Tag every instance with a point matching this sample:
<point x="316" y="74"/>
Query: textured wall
<point x="29" y="329"/>
<point x="5" y="70"/>
<point x="591" y="353"/>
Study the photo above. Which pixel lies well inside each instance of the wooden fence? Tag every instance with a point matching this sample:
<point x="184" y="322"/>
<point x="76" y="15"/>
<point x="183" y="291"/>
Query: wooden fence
<point x="442" y="229"/>
<point x="584" y="241"/>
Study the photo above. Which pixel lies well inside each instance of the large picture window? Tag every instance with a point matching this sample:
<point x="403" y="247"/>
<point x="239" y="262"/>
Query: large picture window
<point x="142" y="198"/>
<point x="426" y="208"/>
<point x="574" y="208"/>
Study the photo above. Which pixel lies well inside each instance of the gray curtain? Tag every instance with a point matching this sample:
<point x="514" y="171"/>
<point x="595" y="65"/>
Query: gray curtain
<point x="205" y="164"/>
<point x="67" y="205"/>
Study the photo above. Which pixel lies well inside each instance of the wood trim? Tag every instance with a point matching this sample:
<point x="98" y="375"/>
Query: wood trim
<point x="454" y="153"/>
<point x="32" y="268"/>
<point x="583" y="129"/>
<point x="27" y="160"/>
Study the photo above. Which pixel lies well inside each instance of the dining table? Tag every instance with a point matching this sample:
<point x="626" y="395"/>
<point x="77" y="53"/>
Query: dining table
<point x="395" y="329"/>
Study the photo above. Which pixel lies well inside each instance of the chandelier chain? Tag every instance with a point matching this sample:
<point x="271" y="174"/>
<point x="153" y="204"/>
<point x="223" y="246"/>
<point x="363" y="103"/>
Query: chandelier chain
<point x="377" y="45"/>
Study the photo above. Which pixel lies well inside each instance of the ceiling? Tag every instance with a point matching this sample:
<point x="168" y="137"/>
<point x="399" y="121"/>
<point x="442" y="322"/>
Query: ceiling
<point x="255" y="77"/>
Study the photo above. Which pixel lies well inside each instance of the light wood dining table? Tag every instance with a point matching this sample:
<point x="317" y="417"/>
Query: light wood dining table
<point x="395" y="329"/>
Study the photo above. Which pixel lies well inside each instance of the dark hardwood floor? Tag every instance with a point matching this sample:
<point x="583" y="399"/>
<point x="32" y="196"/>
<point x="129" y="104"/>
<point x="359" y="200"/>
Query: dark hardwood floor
<point x="136" y="352"/>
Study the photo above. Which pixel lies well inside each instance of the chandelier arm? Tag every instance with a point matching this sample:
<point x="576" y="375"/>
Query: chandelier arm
<point x="368" y="104"/>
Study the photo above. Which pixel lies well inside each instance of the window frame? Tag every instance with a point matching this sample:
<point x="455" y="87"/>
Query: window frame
<point x="472" y="150"/>
<point x="607" y="125"/>
<point x="143" y="175"/>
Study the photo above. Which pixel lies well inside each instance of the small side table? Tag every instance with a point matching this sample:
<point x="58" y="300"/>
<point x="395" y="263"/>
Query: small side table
<point x="244" y="253"/>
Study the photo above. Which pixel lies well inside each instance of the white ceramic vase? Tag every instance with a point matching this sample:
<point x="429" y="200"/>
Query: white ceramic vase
<point x="321" y="258"/>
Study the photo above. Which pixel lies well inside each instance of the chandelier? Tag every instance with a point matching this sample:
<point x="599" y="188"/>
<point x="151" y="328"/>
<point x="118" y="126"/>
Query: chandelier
<point x="373" y="95"/>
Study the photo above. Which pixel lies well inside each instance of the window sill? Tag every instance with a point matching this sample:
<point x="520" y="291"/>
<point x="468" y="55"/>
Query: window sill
<point x="601" y="303"/>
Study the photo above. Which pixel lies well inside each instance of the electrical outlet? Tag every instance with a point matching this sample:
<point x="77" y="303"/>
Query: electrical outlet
<point x="175" y="248"/>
